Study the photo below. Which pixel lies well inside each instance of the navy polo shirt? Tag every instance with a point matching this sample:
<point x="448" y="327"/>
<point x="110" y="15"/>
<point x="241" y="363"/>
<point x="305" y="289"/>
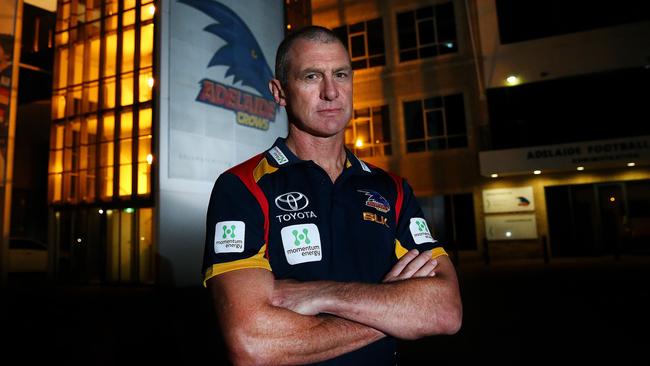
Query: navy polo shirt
<point x="285" y="215"/>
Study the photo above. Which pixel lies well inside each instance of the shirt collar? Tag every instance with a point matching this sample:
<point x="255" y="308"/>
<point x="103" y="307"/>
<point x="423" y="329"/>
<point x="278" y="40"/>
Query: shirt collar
<point x="280" y="155"/>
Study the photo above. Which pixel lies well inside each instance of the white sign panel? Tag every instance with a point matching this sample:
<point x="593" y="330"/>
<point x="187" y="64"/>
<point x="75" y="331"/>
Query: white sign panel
<point x="508" y="200"/>
<point x="589" y="154"/>
<point x="511" y="227"/>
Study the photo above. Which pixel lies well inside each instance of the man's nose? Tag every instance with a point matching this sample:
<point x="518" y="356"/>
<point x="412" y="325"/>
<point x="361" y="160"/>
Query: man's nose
<point x="329" y="90"/>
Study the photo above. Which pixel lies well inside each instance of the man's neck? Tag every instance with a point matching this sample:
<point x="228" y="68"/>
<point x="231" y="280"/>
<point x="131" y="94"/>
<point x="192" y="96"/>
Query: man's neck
<point x="326" y="152"/>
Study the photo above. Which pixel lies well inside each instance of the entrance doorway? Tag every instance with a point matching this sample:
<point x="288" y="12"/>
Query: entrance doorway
<point x="95" y="245"/>
<point x="599" y="219"/>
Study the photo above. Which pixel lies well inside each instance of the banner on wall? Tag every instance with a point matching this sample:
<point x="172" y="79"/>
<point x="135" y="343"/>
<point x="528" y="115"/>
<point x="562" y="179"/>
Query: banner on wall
<point x="508" y="200"/>
<point x="221" y="109"/>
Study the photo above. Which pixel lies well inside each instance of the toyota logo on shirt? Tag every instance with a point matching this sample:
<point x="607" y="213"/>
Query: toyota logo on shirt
<point x="291" y="201"/>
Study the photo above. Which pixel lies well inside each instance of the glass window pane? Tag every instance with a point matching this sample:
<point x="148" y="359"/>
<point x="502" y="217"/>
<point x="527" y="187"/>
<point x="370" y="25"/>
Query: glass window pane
<point x="108" y="127"/>
<point x="62" y="69"/>
<point x="126" y="124"/>
<point x="58" y="136"/>
<point x="106" y="154"/>
<point x="406" y="30"/>
<point x="93" y="60"/>
<point x="126" y="154"/>
<point x="128" y="47"/>
<point x="455" y="113"/>
<point x="144" y="178"/>
<point x="375" y="36"/>
<point x="428" y="52"/>
<point x="457" y="141"/>
<point x="125" y="180"/>
<point x="126" y="89"/>
<point x="144" y="149"/>
<point x="413" y="120"/>
<point x="424" y="13"/>
<point x="58" y="104"/>
<point x="446" y="22"/>
<point x="109" y="93"/>
<point x="88" y="185"/>
<point x="147" y="12"/>
<point x="55" y="187"/>
<point x="128" y="4"/>
<point x="106" y="184"/>
<point x="408" y="55"/>
<point x="435" y="123"/>
<point x="146" y="45"/>
<point x="57" y="162"/>
<point x="144" y="122"/>
<point x="93" y="9"/>
<point x="75" y="97"/>
<point x="110" y="23"/>
<point x="146" y="85"/>
<point x="128" y="18"/>
<point x="358" y="45"/>
<point x="111" y="54"/>
<point x="91" y="94"/>
<point x="91" y="156"/>
<point x="145" y="245"/>
<point x="91" y="131"/>
<point x="426" y="34"/>
<point x="78" y="66"/>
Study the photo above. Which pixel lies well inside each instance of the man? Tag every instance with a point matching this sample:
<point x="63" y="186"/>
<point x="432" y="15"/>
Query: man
<point x="311" y="254"/>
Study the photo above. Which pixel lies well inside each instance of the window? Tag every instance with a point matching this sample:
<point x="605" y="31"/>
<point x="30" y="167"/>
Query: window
<point x="427" y="32"/>
<point x="435" y="123"/>
<point x="102" y="101"/>
<point x="451" y="219"/>
<point x="365" y="42"/>
<point x="368" y="134"/>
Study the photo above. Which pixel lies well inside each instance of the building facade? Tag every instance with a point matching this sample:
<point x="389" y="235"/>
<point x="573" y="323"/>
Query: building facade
<point x="146" y="113"/>
<point x="475" y="103"/>
<point x="521" y="136"/>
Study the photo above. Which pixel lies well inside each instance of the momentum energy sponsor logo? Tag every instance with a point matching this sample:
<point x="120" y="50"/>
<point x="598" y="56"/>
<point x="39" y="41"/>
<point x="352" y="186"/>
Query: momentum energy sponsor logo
<point x="420" y="231"/>
<point x="229" y="237"/>
<point x="301" y="243"/>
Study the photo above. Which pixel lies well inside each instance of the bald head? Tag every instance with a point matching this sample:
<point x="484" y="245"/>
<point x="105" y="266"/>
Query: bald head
<point x="312" y="33"/>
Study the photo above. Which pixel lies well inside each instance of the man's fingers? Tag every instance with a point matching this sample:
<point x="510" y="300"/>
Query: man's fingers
<point x="420" y="261"/>
<point x="427" y="269"/>
<point x="401" y="264"/>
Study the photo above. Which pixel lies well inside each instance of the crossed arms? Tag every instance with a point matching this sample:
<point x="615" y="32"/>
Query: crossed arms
<point x="259" y="315"/>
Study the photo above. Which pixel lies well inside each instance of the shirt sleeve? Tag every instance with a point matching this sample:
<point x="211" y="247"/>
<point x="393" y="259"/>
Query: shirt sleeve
<point x="412" y="228"/>
<point x="234" y="233"/>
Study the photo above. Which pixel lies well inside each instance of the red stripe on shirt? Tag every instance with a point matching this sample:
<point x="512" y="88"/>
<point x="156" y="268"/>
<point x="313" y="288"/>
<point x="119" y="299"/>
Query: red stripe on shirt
<point x="245" y="173"/>
<point x="400" y="195"/>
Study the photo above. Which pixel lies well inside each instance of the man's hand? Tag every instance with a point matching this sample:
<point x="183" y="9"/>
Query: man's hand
<point x="412" y="265"/>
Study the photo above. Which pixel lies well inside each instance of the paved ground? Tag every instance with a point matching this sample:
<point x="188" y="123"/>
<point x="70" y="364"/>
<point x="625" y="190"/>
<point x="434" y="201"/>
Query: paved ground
<point x="583" y="312"/>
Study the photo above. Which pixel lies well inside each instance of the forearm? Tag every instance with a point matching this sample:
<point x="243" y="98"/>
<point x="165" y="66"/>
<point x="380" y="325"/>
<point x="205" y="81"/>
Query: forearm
<point x="408" y="309"/>
<point x="282" y="337"/>
<point x="256" y="332"/>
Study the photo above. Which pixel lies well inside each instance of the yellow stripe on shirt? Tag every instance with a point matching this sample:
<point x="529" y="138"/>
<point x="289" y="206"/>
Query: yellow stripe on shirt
<point x="262" y="168"/>
<point x="256" y="261"/>
<point x="400" y="251"/>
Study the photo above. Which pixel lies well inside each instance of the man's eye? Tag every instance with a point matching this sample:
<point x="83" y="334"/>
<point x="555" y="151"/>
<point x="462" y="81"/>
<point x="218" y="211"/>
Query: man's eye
<point x="341" y="75"/>
<point x="311" y="76"/>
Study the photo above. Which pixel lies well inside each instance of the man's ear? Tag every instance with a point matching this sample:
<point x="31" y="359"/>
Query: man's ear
<point x="278" y="93"/>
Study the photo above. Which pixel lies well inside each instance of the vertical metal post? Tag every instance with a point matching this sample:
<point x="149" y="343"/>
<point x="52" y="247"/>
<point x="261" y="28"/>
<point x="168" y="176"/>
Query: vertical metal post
<point x="9" y="130"/>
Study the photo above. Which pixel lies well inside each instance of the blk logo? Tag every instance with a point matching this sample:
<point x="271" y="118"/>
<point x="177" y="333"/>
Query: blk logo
<point x="291" y="201"/>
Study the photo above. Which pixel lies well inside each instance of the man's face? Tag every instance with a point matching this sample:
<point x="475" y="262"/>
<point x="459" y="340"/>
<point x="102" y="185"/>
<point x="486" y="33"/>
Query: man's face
<point x="318" y="93"/>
